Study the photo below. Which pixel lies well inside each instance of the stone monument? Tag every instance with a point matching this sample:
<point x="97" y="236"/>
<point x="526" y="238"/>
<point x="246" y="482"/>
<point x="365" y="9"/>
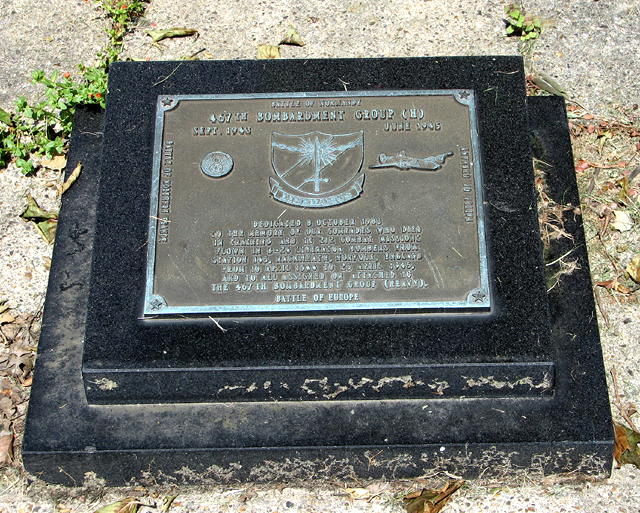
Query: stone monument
<point x="322" y="268"/>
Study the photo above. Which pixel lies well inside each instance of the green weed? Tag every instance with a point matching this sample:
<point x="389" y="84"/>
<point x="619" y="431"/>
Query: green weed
<point x="43" y="129"/>
<point x="123" y="14"/>
<point x="520" y="24"/>
<point x="33" y="131"/>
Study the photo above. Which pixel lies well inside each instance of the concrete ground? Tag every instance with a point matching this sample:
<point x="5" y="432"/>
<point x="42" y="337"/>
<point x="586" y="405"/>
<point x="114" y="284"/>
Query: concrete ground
<point x="591" y="47"/>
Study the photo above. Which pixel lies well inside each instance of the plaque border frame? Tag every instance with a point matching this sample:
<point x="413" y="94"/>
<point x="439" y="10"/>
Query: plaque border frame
<point x="478" y="300"/>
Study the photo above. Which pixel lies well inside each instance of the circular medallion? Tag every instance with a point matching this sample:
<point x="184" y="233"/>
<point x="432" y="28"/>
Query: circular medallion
<point x="216" y="164"/>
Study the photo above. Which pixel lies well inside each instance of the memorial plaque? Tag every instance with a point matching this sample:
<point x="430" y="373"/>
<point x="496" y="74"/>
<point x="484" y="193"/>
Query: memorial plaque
<point x="359" y="200"/>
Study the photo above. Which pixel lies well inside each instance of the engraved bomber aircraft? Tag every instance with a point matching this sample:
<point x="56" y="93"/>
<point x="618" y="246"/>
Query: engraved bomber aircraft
<point x="401" y="161"/>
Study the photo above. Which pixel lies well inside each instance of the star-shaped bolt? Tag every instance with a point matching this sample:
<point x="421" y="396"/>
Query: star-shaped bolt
<point x="479" y="296"/>
<point x="156" y="304"/>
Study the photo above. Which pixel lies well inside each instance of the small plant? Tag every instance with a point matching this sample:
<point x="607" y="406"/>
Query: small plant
<point x="43" y="129"/>
<point x="124" y="14"/>
<point x="526" y="26"/>
<point x="5" y="126"/>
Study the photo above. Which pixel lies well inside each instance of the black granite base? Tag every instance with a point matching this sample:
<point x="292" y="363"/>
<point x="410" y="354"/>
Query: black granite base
<point x="518" y="388"/>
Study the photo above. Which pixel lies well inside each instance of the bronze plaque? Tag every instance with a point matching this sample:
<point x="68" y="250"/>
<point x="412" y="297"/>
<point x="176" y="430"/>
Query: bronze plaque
<point x="316" y="201"/>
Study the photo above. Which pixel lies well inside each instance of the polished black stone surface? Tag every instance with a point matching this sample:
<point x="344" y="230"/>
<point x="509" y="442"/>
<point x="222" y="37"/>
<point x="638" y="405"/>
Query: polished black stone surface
<point x="519" y="386"/>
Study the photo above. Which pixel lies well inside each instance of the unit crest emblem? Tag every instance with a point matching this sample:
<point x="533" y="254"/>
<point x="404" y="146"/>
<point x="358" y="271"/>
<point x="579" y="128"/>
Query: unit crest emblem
<point x="317" y="170"/>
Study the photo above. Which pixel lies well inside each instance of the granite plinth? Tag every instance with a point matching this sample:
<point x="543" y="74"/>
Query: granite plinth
<point x="281" y="395"/>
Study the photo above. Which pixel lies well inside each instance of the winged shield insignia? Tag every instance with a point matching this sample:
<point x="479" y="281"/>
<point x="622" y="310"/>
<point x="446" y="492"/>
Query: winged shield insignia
<point x="317" y="170"/>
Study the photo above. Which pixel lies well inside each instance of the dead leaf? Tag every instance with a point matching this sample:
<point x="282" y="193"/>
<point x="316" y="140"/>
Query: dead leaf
<point x="358" y="493"/>
<point x="192" y="57"/>
<point x="268" y="52"/>
<point x="71" y="180"/>
<point x="623" y="221"/>
<point x="588" y="116"/>
<point x="20" y="362"/>
<point x="56" y="163"/>
<point x="5" y="117"/>
<point x="633" y="269"/>
<point x="629" y="409"/>
<point x="6" y="405"/>
<point x="604" y="132"/>
<point x="626" y="449"/>
<point x="624" y="189"/>
<point x="6" y="318"/>
<point x="167" y="502"/>
<point x="376" y="489"/>
<point x="292" y="38"/>
<point x="159" y="35"/>
<point x="47" y="230"/>
<point x="614" y="285"/>
<point x="33" y="211"/>
<point x="430" y="501"/>
<point x="544" y="81"/>
<point x="45" y="222"/>
<point x="622" y="289"/>
<point x="128" y="505"/>
<point x="6" y="447"/>
<point x="582" y="166"/>
<point x="11" y="331"/>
